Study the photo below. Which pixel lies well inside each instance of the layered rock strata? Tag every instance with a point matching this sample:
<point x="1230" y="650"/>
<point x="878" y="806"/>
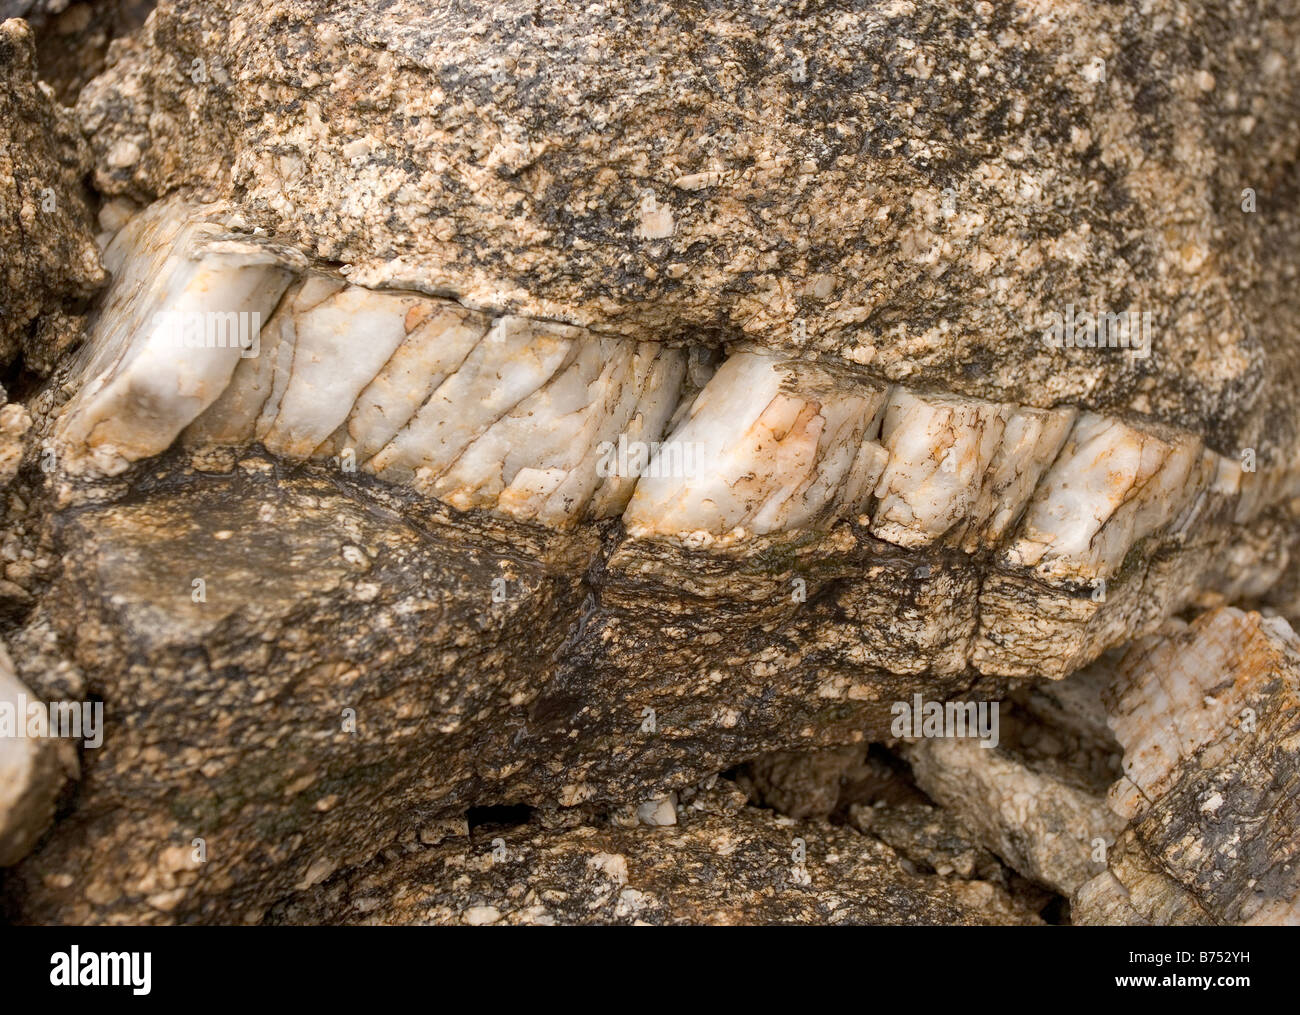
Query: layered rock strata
<point x="1078" y="530"/>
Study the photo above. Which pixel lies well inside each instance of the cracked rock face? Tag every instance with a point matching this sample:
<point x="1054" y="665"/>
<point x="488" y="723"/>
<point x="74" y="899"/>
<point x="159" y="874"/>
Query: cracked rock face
<point x="522" y="461"/>
<point x="73" y="36"/>
<point x="1043" y="815"/>
<point x="1078" y="531"/>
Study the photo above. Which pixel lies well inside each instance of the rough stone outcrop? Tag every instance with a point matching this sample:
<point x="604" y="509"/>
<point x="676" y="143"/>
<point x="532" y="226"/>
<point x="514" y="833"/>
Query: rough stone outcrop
<point x="73" y="36"/>
<point x="34" y="765"/>
<point x="49" y="263"/>
<point x="504" y="408"/>
<point x="911" y="189"/>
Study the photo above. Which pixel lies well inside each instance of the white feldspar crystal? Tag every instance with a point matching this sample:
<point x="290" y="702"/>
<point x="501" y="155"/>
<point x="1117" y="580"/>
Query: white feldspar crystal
<point x="507" y="414"/>
<point x="340" y="367"/>
<point x="168" y="336"/>
<point x="961" y="468"/>
<point x="551" y="423"/>
<point x="1030" y="443"/>
<point x="777" y="446"/>
<point x="1211" y="482"/>
<point x="1267" y="483"/>
<point x="659" y="811"/>
<point x="513" y="361"/>
<point x="246" y="409"/>
<point x="659" y="377"/>
<point x="1111" y="486"/>
<point x="523" y="423"/>
<point x="940" y="448"/>
<point x="542" y="460"/>
<point x="438" y="338"/>
<point x="339" y="345"/>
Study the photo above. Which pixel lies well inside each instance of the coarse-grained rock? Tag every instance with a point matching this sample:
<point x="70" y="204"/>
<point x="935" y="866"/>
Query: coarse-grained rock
<point x="49" y="263"/>
<point x="804" y="785"/>
<point x="910" y="189"/>
<point x="265" y="655"/>
<point x="743" y="867"/>
<point x="382" y="561"/>
<point x="1076" y="531"/>
<point x="73" y="36"/>
<point x="239" y="613"/>
<point x="930" y="838"/>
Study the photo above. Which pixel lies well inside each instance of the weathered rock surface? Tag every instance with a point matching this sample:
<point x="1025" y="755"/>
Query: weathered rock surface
<point x="912" y="189"/>
<point x="240" y="614"/>
<point x="929" y="838"/>
<point x="676" y="657"/>
<point x="73" y="36"/>
<point x="48" y="260"/>
<point x="1076" y="531"/>
<point x="34" y="765"/>
<point x="1037" y="798"/>
<point x="746" y="866"/>
<point x="265" y="654"/>
<point x="368" y="567"/>
<point x="1209" y="716"/>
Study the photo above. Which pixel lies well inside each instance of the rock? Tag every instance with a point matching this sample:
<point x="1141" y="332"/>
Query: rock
<point x="288" y="650"/>
<point x="804" y="785"/>
<point x="73" y="36"/>
<point x="1042" y="827"/>
<point x="156" y="358"/>
<point x="296" y="595"/>
<point x="1208" y="716"/>
<point x="496" y="411"/>
<point x="924" y="192"/>
<point x="1036" y="798"/>
<point x="49" y="263"/>
<point x="34" y="765"/>
<point x="1099" y="528"/>
<point x="659" y="812"/>
<point x="749" y="867"/>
